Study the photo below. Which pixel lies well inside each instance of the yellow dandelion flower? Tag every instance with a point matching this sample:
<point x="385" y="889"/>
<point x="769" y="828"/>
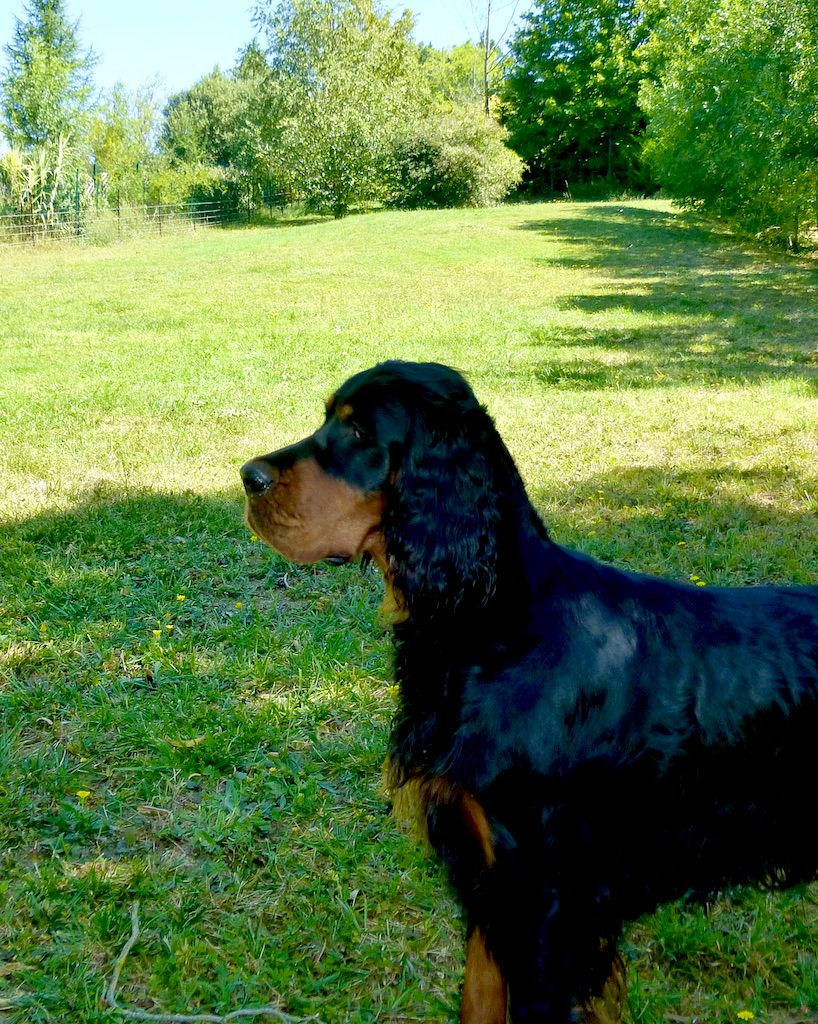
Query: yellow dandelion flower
<point x="169" y="627"/>
<point x="682" y="544"/>
<point x="694" y="578"/>
<point x="156" y="632"/>
<point x="700" y="583"/>
<point x="746" y="1015"/>
<point x="239" y="604"/>
<point x="83" y="794"/>
<point x="181" y="597"/>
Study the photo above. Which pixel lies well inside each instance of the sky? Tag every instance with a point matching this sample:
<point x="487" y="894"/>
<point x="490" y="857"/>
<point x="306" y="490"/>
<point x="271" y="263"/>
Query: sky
<point x="178" y="41"/>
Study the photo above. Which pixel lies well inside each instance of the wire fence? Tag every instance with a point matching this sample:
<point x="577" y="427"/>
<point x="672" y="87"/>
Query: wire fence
<point x="39" y="226"/>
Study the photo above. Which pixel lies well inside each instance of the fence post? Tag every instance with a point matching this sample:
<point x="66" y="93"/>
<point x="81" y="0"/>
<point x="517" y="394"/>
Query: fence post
<point x="77" y="203"/>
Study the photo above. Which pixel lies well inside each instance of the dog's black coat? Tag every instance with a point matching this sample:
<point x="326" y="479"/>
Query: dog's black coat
<point x="631" y="739"/>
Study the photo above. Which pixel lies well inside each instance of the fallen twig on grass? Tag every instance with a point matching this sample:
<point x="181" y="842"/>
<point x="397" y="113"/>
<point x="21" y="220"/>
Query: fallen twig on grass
<point x="109" y="997"/>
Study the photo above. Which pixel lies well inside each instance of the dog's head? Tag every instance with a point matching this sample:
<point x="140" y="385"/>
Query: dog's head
<point x="404" y="468"/>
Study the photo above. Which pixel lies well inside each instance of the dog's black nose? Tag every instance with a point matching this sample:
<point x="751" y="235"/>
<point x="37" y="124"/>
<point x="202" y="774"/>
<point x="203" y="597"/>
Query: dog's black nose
<point x="258" y="475"/>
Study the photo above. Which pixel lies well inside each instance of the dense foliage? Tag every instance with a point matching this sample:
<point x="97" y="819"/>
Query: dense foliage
<point x="733" y="118"/>
<point x="456" y="76"/>
<point x="571" y="92"/>
<point x="457" y="160"/>
<point x="225" y="123"/>
<point x="343" y="78"/>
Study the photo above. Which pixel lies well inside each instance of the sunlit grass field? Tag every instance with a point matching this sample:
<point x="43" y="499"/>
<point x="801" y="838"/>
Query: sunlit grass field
<point x="190" y="723"/>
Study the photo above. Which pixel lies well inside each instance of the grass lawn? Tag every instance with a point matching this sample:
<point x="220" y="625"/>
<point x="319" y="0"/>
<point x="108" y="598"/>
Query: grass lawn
<point x="189" y="722"/>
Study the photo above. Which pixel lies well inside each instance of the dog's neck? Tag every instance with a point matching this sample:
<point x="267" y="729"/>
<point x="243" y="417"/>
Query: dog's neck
<point x="523" y="557"/>
<point x="437" y="647"/>
<point x="392" y="609"/>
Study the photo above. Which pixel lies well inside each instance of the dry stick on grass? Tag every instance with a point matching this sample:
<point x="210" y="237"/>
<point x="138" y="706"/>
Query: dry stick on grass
<point x="109" y="997"/>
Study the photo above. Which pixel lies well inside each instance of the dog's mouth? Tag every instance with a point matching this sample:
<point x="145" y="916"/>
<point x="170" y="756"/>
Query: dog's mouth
<point x="292" y="541"/>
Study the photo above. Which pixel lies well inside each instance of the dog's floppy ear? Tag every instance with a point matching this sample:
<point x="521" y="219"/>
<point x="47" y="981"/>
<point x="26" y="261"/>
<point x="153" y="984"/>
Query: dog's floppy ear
<point x="444" y="510"/>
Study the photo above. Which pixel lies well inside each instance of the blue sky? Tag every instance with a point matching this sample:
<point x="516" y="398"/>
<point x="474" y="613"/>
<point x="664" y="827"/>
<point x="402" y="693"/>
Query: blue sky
<point x="181" y="40"/>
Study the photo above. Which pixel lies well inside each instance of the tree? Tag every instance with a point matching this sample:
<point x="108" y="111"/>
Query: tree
<point x="733" y="121"/>
<point x="205" y="124"/>
<point x="571" y="93"/>
<point x="121" y="137"/>
<point x="231" y="121"/>
<point x="456" y="75"/>
<point x="47" y="85"/>
<point x="344" y="78"/>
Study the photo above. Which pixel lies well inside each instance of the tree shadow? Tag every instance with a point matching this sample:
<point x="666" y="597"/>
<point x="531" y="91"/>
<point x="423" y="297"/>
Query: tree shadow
<point x="679" y="302"/>
<point x="190" y="722"/>
<point x="726" y="525"/>
<point x="117" y="554"/>
<point x="148" y="598"/>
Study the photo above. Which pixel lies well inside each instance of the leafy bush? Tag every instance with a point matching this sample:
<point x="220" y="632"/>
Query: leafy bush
<point x="182" y="183"/>
<point x="457" y="160"/>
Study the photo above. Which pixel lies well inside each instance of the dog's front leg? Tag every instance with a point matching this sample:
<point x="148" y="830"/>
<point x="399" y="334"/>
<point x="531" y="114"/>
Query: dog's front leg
<point x="484" y="988"/>
<point x="546" y="944"/>
<point x="606" y="1005"/>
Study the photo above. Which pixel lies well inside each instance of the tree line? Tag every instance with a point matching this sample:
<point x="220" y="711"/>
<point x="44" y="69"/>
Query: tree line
<point x="334" y="104"/>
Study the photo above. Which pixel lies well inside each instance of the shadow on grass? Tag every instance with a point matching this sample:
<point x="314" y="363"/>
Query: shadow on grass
<point x="222" y="771"/>
<point x="159" y="578"/>
<point x="729" y="526"/>
<point x="163" y="602"/>
<point x="127" y="556"/>
<point x="678" y="303"/>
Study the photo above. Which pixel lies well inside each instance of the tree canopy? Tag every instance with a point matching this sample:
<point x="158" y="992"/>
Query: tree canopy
<point x="344" y="76"/>
<point x="46" y="89"/>
<point x="571" y="92"/>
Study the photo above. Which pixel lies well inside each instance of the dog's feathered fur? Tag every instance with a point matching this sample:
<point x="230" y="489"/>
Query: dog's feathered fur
<point x="587" y="742"/>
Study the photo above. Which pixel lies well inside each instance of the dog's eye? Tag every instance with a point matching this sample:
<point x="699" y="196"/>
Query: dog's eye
<point x="357" y="433"/>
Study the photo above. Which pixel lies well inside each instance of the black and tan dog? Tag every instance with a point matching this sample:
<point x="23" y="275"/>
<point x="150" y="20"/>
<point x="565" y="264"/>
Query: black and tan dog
<point x="584" y="743"/>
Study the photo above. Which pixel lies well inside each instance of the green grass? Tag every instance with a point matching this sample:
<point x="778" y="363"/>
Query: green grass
<point x="658" y="387"/>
